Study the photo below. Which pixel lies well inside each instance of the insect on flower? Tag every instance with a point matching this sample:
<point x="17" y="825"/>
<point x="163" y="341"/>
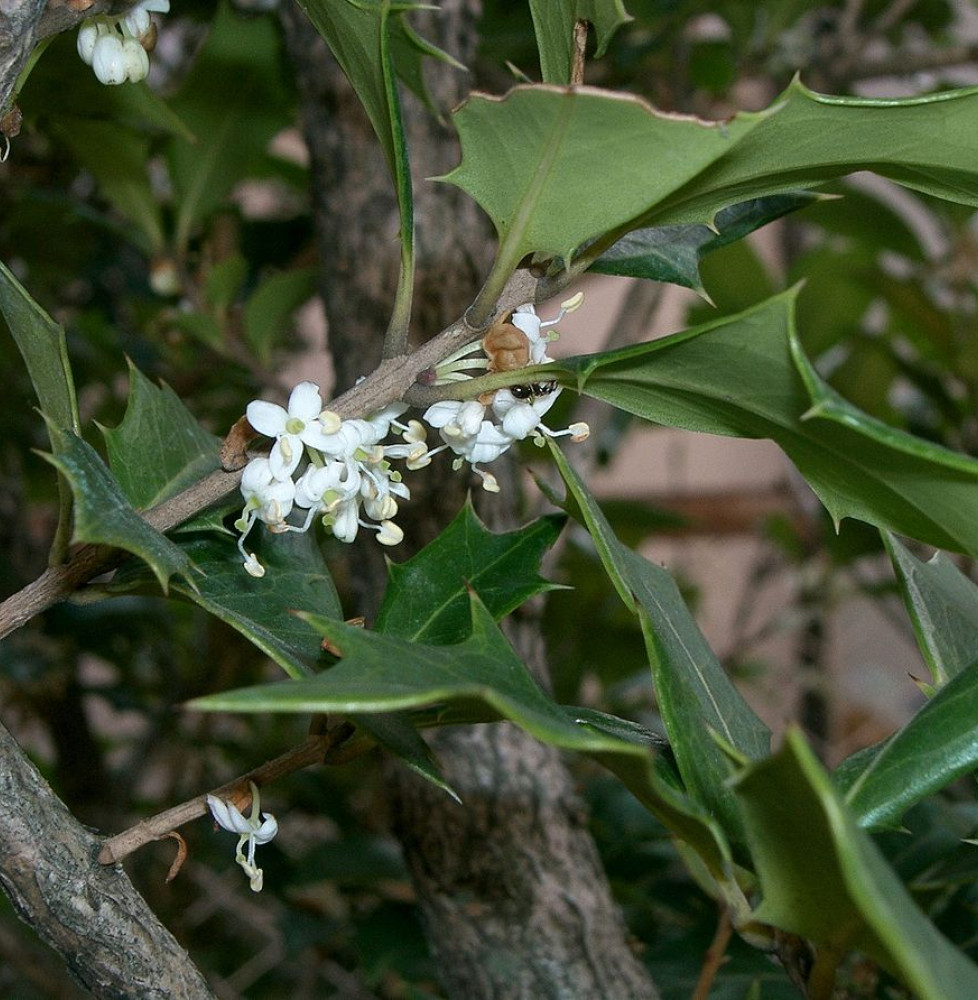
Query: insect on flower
<point x="506" y="346"/>
<point x="534" y="390"/>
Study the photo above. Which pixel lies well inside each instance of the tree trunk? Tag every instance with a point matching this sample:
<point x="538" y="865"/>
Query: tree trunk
<point x="510" y="885"/>
<point x="108" y="937"/>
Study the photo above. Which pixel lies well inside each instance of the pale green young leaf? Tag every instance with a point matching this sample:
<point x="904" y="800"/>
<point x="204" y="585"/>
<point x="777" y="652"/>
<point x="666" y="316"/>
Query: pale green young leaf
<point x="927" y="143"/>
<point x="159" y="448"/>
<point x="555" y="167"/>
<point x="822" y="877"/>
<point x="553" y="24"/>
<point x="746" y="376"/>
<point x="103" y="515"/>
<point x="696" y="698"/>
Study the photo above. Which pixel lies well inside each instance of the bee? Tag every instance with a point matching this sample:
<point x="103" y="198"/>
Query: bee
<point x="508" y="349"/>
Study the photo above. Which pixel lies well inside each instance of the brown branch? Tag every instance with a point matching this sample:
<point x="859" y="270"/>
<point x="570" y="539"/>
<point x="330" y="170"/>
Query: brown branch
<point x="715" y="956"/>
<point x="315" y="750"/>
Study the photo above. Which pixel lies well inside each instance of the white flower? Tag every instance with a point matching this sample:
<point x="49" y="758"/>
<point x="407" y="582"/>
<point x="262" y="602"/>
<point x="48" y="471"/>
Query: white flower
<point x="520" y="417"/>
<point x="257" y="829"/>
<point x="88" y="35"/>
<point x="137" y="20"/>
<point x="271" y="498"/>
<point x="292" y="427"/>
<point x="455" y="419"/>
<point x="109" y="60"/>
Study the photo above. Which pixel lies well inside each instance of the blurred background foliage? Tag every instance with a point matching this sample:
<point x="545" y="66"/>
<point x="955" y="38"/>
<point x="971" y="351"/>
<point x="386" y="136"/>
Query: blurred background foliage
<point x="170" y="223"/>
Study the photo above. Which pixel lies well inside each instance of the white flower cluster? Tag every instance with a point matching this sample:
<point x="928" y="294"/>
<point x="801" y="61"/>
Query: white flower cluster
<point x="324" y="465"/>
<point x="338" y="469"/>
<point x="118" y="49"/>
<point x="480" y="430"/>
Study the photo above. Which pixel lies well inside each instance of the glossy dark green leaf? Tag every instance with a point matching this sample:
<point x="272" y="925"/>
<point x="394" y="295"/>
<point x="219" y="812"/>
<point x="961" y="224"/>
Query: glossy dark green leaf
<point x="822" y="877"/>
<point x="746" y="376"/>
<point x="928" y="143"/>
<point x="938" y="745"/>
<point x="697" y="700"/>
<point x="104" y="516"/>
<point x="427" y="599"/>
<point x="264" y="610"/>
<point x="943" y="607"/>
<point x="673" y="253"/>
<point x="41" y="343"/>
<point x="159" y="448"/>
<point x="554" y="23"/>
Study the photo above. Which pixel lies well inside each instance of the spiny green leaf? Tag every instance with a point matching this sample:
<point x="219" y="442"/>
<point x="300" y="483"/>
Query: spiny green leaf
<point x="380" y="673"/>
<point x="696" y="697"/>
<point x="554" y="23"/>
<point x="746" y="376"/>
<point x="103" y="515"/>
<point x="388" y="674"/>
<point x="673" y="253"/>
<point x="427" y="599"/>
<point x="42" y="345"/>
<point x="263" y="610"/>
<point x="943" y="607"/>
<point x="159" y="448"/>
<point x="926" y="143"/>
<point x="555" y="167"/>
<point x="822" y="877"/>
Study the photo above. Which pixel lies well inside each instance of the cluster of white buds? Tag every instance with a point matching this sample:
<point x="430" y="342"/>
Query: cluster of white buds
<point x="478" y="431"/>
<point x="323" y="465"/>
<point x="118" y="49"/>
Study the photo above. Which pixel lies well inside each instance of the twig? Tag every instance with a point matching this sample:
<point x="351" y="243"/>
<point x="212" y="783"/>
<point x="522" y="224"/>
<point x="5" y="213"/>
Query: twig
<point x="314" y="750"/>
<point x="580" y="44"/>
<point x="715" y="955"/>
<point x="889" y="17"/>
